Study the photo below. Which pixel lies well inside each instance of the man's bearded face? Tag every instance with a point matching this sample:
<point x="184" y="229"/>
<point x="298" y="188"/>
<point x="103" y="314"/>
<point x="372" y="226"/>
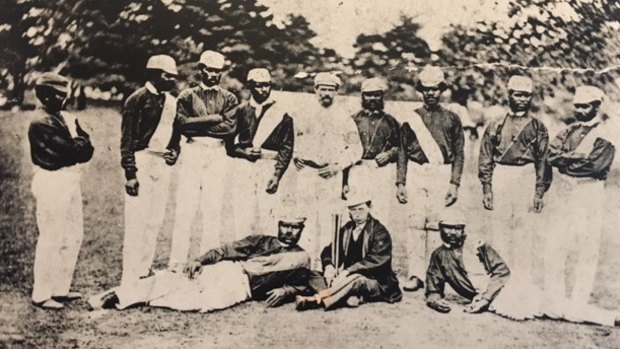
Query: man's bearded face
<point x="289" y="233"/>
<point x="210" y="76"/>
<point x="165" y="82"/>
<point x="325" y="94"/>
<point x="260" y="91"/>
<point x="431" y="95"/>
<point x="372" y="101"/>
<point x="452" y="235"/>
<point x="586" y="112"/>
<point x="519" y="101"/>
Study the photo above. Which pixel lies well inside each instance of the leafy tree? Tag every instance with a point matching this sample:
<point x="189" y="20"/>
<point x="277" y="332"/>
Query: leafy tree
<point x="392" y="55"/>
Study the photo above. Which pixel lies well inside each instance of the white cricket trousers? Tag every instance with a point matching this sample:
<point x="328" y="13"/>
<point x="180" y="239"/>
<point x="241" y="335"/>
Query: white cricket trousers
<point x="513" y="224"/>
<point x="318" y="198"/>
<point x="574" y="227"/>
<point x="203" y="167"/>
<point x="380" y="183"/>
<point x="254" y="209"/>
<point x="427" y="187"/>
<point x="144" y="215"/>
<point x="61" y="229"/>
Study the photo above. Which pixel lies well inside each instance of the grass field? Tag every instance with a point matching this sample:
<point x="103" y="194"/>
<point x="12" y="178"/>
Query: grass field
<point x="406" y="324"/>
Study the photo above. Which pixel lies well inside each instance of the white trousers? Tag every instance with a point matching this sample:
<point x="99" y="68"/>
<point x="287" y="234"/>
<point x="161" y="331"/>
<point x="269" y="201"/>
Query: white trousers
<point x="217" y="286"/>
<point x="513" y="225"/>
<point x="318" y="198"/>
<point x="203" y="169"/>
<point x="59" y="219"/>
<point x="254" y="209"/>
<point x="380" y="183"/>
<point x="427" y="187"/>
<point x="144" y="215"/>
<point x="574" y="227"/>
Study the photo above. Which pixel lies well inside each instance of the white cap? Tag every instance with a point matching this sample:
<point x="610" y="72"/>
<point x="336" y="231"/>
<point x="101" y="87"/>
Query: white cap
<point x="259" y="75"/>
<point x="374" y="84"/>
<point x="452" y="217"/>
<point x="292" y="219"/>
<point x="162" y="62"/>
<point x="55" y="81"/>
<point x="328" y="79"/>
<point x="212" y="59"/>
<point x="431" y="76"/>
<point x="357" y="197"/>
<point x="520" y="83"/>
<point x="588" y="94"/>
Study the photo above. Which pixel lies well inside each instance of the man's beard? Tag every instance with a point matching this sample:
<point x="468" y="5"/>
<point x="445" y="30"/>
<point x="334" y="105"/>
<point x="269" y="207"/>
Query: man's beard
<point x="373" y="105"/>
<point x="326" y="101"/>
<point x="210" y="81"/>
<point x="518" y="107"/>
<point x="586" y="117"/>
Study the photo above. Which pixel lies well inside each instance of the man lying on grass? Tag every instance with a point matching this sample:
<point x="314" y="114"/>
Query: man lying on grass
<point x="258" y="267"/>
<point x="478" y="273"/>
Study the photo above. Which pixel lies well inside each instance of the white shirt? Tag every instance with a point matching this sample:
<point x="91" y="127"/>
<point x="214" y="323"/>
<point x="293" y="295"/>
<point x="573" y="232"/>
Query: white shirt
<point x="327" y="135"/>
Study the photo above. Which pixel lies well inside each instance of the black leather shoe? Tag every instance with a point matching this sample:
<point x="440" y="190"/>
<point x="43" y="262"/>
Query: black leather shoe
<point x="413" y="284"/>
<point x="306" y="303"/>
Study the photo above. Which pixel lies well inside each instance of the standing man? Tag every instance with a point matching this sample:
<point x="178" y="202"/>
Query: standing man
<point x="148" y="116"/>
<point x="326" y="143"/>
<point x="57" y="145"/>
<point x="583" y="155"/>
<point x="379" y="134"/>
<point x="512" y="159"/>
<point x="205" y="116"/>
<point x="359" y="268"/>
<point x="265" y="148"/>
<point x="433" y="139"/>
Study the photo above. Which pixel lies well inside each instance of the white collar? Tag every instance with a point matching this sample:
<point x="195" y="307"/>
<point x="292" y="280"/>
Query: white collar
<point x="151" y="88"/>
<point x="212" y="88"/>
<point x="592" y="123"/>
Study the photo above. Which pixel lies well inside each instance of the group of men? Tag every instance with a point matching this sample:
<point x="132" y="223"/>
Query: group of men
<point x="364" y="162"/>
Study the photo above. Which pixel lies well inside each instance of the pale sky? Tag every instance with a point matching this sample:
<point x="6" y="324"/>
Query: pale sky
<point x="338" y="22"/>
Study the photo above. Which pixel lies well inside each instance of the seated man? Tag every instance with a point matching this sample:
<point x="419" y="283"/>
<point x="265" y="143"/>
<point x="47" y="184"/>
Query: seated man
<point x="358" y="266"/>
<point x="466" y="270"/>
<point x="259" y="267"/>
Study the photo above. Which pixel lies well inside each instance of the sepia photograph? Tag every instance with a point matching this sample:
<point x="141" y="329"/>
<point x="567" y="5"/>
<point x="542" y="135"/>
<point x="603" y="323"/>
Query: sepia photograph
<point x="309" y="174"/>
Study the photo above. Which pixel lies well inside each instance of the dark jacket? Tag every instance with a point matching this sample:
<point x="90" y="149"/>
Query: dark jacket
<point x="377" y="257"/>
<point x="280" y="139"/>
<point x="52" y="146"/>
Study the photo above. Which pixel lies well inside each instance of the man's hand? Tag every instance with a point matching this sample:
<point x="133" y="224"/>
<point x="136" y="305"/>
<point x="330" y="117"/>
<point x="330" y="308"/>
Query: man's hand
<point x="382" y="159"/>
<point x="328" y="171"/>
<point x="277" y="297"/>
<point x="401" y="193"/>
<point x="477" y="306"/>
<point x="299" y="163"/>
<point x="192" y="269"/>
<point x="272" y="185"/>
<point x="537" y="205"/>
<point x="329" y="274"/>
<point x="487" y="200"/>
<point x="345" y="192"/>
<point x="131" y="187"/>
<point x="452" y="195"/>
<point x="171" y="157"/>
<point x="340" y="278"/>
<point x="251" y="155"/>
<point x="439" y="305"/>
